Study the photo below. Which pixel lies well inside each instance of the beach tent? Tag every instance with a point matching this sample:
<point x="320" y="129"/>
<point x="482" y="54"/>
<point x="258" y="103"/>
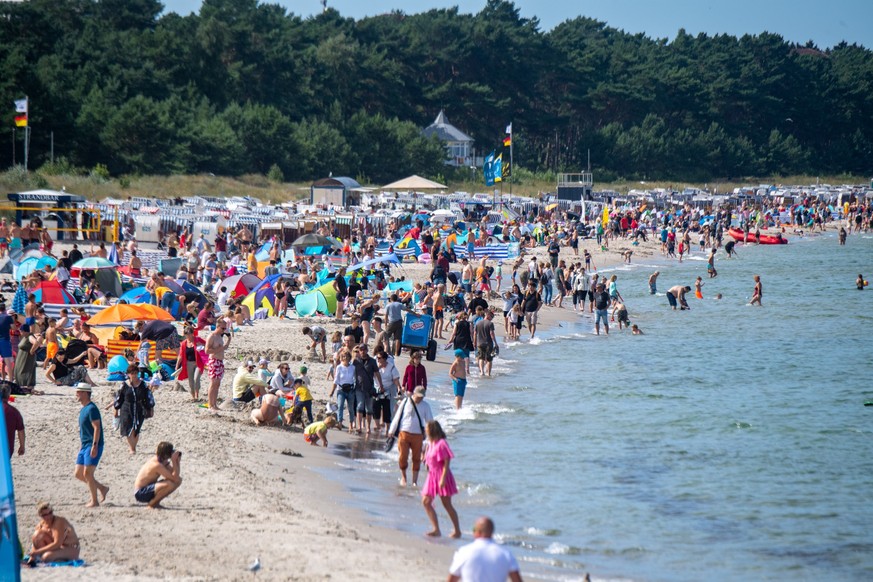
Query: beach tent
<point x="238" y="285"/>
<point x="136" y="295"/>
<point x="117" y="369"/>
<point x="52" y="292"/>
<point x="263" y="253"/>
<point x="400" y="286"/>
<point x="263" y="298"/>
<point x="109" y="281"/>
<point x="46" y="260"/>
<point x="414" y="183"/>
<point x="390" y="258"/>
<point x="170" y="267"/>
<point x="25" y="268"/>
<point x="321" y="300"/>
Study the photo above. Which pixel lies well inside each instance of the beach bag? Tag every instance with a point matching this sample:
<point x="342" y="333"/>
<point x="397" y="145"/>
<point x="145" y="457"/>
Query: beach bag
<point x="389" y="442"/>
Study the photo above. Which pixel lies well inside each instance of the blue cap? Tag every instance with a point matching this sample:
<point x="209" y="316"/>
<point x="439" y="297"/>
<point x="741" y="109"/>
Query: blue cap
<point x="459" y="353"/>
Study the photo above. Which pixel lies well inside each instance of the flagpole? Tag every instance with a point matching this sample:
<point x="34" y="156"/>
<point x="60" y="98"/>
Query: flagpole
<point x="13" y="147"/>
<point x="26" y="146"/>
<point x="511" y="161"/>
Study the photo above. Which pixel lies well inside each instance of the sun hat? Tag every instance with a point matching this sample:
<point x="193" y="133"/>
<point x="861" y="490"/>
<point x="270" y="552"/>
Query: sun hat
<point x="83" y="387"/>
<point x="250" y="364"/>
<point x="263" y="361"/>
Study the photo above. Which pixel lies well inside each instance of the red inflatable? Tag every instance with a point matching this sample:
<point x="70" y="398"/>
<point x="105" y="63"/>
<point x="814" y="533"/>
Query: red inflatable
<point x="739" y="236"/>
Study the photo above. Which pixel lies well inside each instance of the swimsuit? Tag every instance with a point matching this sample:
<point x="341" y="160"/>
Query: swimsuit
<point x="145" y="494"/>
<point x="215" y="368"/>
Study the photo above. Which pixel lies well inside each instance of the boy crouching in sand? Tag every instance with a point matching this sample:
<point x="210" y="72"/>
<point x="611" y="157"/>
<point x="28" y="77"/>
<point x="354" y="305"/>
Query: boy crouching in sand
<point x="318" y="430"/>
<point x="159" y="477"/>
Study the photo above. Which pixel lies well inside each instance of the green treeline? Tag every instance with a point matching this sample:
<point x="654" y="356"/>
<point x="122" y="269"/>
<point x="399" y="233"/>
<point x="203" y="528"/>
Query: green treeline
<point x="244" y="87"/>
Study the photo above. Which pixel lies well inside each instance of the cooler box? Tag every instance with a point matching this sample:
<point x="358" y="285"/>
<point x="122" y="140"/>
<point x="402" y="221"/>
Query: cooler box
<point x="416" y="331"/>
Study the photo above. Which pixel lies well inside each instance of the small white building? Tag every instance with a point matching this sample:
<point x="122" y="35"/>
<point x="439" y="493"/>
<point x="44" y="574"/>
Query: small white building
<point x="459" y="145"/>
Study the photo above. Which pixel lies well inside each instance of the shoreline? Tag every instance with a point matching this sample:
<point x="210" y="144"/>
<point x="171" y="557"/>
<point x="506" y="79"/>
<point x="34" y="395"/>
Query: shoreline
<point x="283" y="509"/>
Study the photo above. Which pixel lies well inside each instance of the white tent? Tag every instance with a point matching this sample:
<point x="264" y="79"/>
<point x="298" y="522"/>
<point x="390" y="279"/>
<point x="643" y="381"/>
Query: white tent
<point x="413" y="183"/>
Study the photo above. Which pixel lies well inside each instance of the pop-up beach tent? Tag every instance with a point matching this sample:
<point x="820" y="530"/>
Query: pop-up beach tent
<point x="320" y="300"/>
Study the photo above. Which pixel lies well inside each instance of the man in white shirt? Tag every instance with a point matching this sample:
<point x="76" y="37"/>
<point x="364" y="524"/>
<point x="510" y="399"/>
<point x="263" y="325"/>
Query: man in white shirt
<point x="483" y="560"/>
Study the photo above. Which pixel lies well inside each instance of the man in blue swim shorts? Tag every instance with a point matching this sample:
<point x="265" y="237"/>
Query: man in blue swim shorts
<point x="91" y="435"/>
<point x="159" y="477"/>
<point x="458" y="373"/>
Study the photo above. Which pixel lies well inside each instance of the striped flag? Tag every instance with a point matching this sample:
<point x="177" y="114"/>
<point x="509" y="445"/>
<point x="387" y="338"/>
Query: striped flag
<point x="21" y="112"/>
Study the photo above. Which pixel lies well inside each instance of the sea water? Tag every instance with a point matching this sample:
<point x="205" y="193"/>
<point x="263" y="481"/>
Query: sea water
<point x="728" y="442"/>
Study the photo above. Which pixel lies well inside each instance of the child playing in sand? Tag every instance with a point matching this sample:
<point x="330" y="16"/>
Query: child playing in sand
<point x="318" y="430"/>
<point x="304" y="376"/>
<point x="458" y="373"/>
<point x="440" y="481"/>
<point x="302" y="401"/>
<point x="264" y="372"/>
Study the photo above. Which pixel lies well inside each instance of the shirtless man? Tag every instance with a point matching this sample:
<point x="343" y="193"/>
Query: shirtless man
<point x="135" y="265"/>
<point x="677" y="293"/>
<point x="215" y="346"/>
<point x="15" y="237"/>
<point x="159" y="477"/>
<point x="51" y="341"/>
<point x="268" y="413"/>
<point x="54" y="539"/>
<point x="439" y="307"/>
<point x="653" y="282"/>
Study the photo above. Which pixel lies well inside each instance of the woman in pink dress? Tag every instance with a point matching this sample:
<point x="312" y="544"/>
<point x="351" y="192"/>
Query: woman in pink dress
<point x="440" y="481"/>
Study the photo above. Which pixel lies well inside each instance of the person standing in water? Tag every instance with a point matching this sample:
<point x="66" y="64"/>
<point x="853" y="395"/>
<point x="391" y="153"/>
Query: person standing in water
<point x="653" y="282"/>
<point x="758" y="292"/>
<point x="440" y="481"/>
<point x="860" y="282"/>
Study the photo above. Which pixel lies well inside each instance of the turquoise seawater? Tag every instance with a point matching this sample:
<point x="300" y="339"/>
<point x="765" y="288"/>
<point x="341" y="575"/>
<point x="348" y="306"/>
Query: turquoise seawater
<point x="728" y="442"/>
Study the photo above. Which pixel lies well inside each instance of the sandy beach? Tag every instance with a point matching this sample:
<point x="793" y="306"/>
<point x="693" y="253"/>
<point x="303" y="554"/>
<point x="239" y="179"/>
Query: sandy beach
<point x="248" y="491"/>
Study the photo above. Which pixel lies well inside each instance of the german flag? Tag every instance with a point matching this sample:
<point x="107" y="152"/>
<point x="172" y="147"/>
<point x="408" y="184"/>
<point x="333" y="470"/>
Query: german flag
<point x="507" y="141"/>
<point x="21" y="120"/>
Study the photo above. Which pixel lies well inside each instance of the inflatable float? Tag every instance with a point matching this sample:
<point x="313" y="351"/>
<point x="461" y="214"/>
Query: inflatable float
<point x="765" y="239"/>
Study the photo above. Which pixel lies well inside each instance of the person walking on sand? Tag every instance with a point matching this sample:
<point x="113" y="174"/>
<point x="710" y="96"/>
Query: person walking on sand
<point x="532" y="303"/>
<point x="440" y="481"/>
<point x="54" y="539"/>
<point x="131" y="402"/>
<point x="14" y="422"/>
<point x="215" y="346"/>
<point x="159" y="477"/>
<point x="758" y="292"/>
<point x="484" y="560"/>
<point x="409" y="422"/>
<point x="91" y="437"/>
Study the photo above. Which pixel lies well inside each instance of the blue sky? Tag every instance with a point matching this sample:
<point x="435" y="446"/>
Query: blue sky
<point x="825" y="22"/>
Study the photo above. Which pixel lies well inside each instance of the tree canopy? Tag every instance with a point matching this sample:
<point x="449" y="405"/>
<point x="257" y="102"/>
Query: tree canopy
<point x="244" y="87"/>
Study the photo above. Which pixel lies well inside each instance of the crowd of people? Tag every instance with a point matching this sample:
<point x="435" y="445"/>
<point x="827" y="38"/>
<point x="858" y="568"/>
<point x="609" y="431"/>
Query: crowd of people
<point x="369" y="393"/>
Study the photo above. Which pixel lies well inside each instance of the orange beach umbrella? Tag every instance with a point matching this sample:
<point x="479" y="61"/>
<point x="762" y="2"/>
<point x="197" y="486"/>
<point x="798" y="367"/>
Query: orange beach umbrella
<point x="128" y="312"/>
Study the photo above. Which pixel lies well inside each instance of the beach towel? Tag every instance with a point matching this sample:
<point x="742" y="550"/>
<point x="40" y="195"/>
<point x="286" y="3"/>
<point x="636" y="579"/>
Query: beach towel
<point x="70" y="563"/>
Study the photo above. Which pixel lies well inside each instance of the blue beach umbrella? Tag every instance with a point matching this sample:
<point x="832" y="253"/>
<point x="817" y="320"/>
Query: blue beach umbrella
<point x="94" y="263"/>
